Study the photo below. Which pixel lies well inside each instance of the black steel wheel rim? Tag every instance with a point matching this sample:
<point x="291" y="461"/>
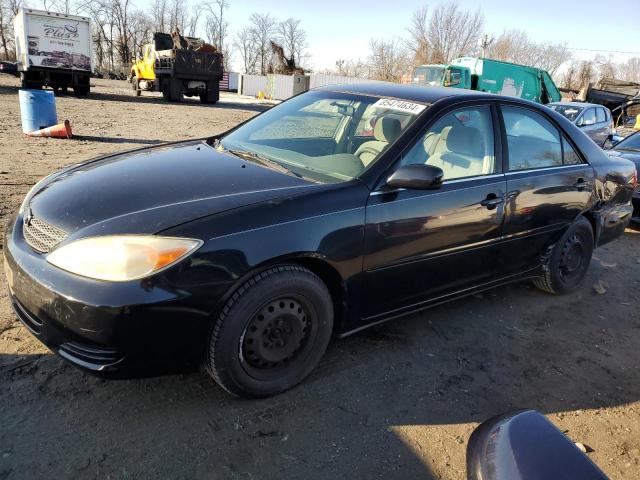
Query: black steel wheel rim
<point x="277" y="335"/>
<point x="572" y="259"/>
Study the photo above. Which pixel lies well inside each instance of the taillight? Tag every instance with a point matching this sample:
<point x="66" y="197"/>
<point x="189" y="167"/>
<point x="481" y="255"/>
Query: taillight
<point x="634" y="179"/>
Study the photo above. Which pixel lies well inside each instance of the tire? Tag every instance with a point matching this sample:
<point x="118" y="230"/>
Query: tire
<point x="569" y="261"/>
<point x="166" y="92"/>
<point x="135" y="85"/>
<point x="271" y="333"/>
<point x="81" y="91"/>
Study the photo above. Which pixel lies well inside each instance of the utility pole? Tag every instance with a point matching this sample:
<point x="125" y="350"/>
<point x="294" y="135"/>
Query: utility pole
<point x="485" y="41"/>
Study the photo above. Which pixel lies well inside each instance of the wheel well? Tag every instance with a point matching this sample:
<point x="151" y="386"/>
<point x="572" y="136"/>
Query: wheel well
<point x="594" y="226"/>
<point x="331" y="279"/>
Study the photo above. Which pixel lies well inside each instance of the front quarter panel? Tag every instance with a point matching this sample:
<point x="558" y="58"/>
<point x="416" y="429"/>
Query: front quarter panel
<point x="326" y="226"/>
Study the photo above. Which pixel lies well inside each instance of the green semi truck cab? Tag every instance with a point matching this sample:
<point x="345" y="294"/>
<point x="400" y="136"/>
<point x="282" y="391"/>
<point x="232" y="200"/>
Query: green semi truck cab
<point x="491" y="76"/>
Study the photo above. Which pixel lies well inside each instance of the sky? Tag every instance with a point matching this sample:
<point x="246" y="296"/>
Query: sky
<point x="342" y="28"/>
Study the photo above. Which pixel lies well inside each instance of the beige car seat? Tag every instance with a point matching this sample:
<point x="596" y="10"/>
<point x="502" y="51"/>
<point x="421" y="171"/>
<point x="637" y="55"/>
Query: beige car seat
<point x="461" y="154"/>
<point x="387" y="129"/>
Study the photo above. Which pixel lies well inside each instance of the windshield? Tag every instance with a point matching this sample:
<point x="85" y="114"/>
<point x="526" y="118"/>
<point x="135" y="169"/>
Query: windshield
<point x="430" y="75"/>
<point x="323" y="136"/>
<point x="632" y="142"/>
<point x="569" y="111"/>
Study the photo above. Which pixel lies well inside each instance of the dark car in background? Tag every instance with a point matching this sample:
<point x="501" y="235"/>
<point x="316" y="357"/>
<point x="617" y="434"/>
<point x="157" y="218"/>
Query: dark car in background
<point x="629" y="149"/>
<point x="249" y="250"/>
<point x="10" y="68"/>
<point x="594" y="120"/>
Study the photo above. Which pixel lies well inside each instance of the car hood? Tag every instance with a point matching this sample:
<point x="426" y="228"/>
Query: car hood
<point x="152" y="189"/>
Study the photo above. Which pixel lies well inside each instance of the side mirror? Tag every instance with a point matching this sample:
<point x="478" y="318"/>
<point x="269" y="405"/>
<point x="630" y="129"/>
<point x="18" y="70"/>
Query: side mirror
<point x="416" y="177"/>
<point x="524" y="446"/>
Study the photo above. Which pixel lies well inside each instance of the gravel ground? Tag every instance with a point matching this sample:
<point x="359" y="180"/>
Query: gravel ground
<point x="398" y="401"/>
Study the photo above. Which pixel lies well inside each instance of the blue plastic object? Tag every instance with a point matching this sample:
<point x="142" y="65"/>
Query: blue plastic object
<point x="37" y="109"/>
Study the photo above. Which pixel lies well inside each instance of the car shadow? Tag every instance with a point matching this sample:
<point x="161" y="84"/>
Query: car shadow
<point x="382" y="403"/>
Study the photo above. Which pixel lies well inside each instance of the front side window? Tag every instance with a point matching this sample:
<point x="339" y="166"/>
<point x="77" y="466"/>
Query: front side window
<point x="600" y="115"/>
<point x="313" y="135"/>
<point x="533" y="141"/>
<point x="460" y="143"/>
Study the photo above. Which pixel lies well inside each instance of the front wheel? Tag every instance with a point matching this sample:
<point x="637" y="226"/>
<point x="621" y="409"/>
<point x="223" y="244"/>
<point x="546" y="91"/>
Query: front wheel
<point x="569" y="260"/>
<point x="271" y="333"/>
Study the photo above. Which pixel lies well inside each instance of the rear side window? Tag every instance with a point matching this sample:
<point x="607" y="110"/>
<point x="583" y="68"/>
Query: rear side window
<point x="600" y="115"/>
<point x="570" y="155"/>
<point x="533" y="141"/>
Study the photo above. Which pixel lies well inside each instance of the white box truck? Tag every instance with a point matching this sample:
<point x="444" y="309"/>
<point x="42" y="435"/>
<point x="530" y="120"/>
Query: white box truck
<point x="53" y="49"/>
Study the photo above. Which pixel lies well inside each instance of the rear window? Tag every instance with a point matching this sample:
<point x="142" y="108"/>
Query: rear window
<point x="569" y="111"/>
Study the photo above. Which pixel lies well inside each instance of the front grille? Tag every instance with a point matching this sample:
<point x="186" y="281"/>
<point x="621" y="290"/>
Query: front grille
<point x="91" y="356"/>
<point x="33" y="323"/>
<point x="41" y="236"/>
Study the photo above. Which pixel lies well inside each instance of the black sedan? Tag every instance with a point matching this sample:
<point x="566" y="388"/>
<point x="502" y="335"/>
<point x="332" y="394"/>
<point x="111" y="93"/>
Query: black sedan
<point x="339" y="209"/>
<point x="629" y="149"/>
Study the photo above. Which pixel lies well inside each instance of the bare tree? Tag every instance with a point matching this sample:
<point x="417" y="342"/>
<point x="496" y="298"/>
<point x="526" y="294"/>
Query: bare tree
<point x="8" y="10"/>
<point x="515" y="46"/>
<point x="351" y="68"/>
<point x="388" y="60"/>
<point x="159" y="15"/>
<point x="245" y="42"/>
<point x="293" y="39"/>
<point x="263" y="29"/>
<point x="453" y="32"/>
<point x="630" y="70"/>
<point x="418" y="42"/>
<point x="218" y="28"/>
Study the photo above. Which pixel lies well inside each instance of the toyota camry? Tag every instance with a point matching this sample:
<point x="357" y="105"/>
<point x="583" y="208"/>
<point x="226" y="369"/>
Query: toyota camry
<point x="336" y="210"/>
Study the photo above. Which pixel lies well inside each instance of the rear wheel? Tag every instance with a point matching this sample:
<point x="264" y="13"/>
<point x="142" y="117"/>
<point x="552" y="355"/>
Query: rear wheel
<point x="569" y="261"/>
<point x="271" y="333"/>
<point x="81" y="91"/>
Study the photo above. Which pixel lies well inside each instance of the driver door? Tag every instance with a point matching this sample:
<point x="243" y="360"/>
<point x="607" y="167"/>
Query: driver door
<point x="423" y="245"/>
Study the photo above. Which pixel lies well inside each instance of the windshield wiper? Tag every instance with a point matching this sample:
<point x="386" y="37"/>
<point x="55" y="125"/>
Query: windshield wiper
<point x="264" y="161"/>
<point x="628" y="149"/>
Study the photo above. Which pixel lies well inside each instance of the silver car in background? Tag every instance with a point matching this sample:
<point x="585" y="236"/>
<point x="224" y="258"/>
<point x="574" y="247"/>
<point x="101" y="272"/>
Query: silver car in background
<point x="594" y="120"/>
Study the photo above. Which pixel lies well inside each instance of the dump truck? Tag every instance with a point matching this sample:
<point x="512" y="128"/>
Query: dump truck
<point x="163" y="67"/>
<point x="53" y="49"/>
<point x="493" y="76"/>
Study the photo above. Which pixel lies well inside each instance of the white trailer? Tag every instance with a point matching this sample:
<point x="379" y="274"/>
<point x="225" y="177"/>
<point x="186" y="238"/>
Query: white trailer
<point x="53" y="49"/>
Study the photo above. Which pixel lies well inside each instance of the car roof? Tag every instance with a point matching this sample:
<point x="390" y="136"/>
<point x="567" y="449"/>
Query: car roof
<point x="577" y="104"/>
<point x="410" y="92"/>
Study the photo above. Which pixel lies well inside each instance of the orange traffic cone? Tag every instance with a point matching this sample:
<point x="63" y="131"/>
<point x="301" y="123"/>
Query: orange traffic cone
<point x="61" y="130"/>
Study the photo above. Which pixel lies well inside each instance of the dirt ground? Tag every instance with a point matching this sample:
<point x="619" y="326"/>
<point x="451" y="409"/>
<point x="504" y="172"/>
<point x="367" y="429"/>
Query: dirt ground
<point x="398" y="401"/>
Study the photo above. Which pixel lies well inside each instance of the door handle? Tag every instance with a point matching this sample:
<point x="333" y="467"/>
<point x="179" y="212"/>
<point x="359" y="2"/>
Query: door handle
<point x="492" y="201"/>
<point x="581" y="184"/>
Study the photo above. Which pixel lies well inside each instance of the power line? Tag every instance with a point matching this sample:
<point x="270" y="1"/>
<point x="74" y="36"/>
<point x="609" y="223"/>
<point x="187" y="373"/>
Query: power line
<point x="605" y="51"/>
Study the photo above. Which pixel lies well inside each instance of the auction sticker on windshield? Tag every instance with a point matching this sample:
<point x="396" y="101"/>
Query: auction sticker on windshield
<point x="400" y="105"/>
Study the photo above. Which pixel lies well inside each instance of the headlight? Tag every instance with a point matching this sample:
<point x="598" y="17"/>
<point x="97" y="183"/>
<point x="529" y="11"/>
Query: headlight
<point x="120" y="258"/>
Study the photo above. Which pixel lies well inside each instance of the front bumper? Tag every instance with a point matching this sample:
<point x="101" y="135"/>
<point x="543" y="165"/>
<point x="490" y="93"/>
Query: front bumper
<point x="116" y="329"/>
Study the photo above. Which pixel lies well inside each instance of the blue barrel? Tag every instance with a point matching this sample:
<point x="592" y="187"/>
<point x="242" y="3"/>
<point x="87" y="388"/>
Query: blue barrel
<point x="37" y="109"/>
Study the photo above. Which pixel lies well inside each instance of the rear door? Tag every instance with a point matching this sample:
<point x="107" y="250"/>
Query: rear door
<point x="422" y="245"/>
<point x="548" y="185"/>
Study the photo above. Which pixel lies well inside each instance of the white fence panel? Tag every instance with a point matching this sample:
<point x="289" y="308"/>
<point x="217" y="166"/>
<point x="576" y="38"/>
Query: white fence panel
<point x="321" y="79"/>
<point x="252" y="84"/>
